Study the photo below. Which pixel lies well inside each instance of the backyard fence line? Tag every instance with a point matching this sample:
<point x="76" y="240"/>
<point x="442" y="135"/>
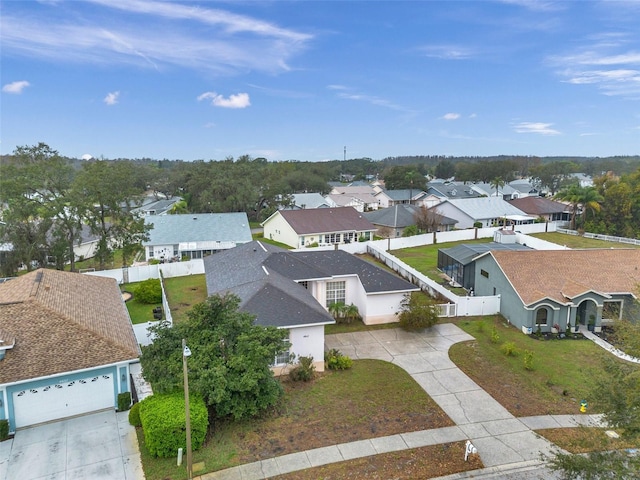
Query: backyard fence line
<point x="144" y="272"/>
<point x="598" y="236"/>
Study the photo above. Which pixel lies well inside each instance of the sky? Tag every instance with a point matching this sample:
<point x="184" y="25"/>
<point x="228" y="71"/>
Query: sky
<point x="320" y="80"/>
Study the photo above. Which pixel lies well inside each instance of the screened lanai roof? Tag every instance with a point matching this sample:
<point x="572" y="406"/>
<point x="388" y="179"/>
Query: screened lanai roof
<point x="464" y="254"/>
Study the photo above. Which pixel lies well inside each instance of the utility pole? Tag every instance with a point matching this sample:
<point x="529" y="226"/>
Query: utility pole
<point x="186" y="352"/>
<point x="345" y="153"/>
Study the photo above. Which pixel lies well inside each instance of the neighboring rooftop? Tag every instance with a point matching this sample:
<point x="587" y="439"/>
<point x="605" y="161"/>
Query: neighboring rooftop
<point x="327" y="220"/>
<point x="539" y="205"/>
<point x="487" y="207"/>
<point x="200" y="227"/>
<point x="465" y="253"/>
<point x="564" y="274"/>
<point x="401" y="216"/>
<point x="63" y="321"/>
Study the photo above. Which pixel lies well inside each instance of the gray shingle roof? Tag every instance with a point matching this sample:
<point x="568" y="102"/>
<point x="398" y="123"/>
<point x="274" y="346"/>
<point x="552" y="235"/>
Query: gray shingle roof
<point x="465" y="253"/>
<point x="201" y="227"/>
<point x="265" y="278"/>
<point x="485" y="207"/>
<point x="401" y="216"/>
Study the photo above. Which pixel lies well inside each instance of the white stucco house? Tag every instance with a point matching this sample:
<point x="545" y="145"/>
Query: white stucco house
<point x="322" y="226"/>
<point x="66" y="346"/>
<point x="190" y="236"/>
<point x="294" y="290"/>
<point x="488" y="211"/>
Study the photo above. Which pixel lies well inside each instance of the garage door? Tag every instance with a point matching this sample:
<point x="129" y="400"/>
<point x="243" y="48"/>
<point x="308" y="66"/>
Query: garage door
<point x="61" y="400"/>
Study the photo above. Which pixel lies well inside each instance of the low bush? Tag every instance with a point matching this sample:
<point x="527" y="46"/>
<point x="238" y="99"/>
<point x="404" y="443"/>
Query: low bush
<point x="4" y="429"/>
<point x="335" y="360"/>
<point x="134" y="415"/>
<point x="528" y="360"/>
<point x="495" y="338"/>
<point x="149" y="291"/>
<point x="509" y="349"/>
<point x="303" y="371"/>
<point x="124" y="401"/>
<point x="163" y="423"/>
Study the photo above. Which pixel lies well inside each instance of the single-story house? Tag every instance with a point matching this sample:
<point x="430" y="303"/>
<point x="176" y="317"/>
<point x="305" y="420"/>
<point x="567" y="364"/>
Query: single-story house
<point x="524" y="188"/>
<point x="389" y="198"/>
<point x="328" y="226"/>
<point x="545" y="208"/>
<point x="293" y="290"/>
<point x="567" y="288"/>
<point x="489" y="211"/>
<point x="173" y="237"/>
<point x="362" y="202"/>
<point x="506" y="192"/>
<point x="401" y="216"/>
<point x="66" y="345"/>
<point x="155" y="206"/>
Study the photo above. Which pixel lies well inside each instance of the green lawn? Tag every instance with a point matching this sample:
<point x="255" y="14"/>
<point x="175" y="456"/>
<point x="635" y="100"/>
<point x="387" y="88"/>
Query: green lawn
<point x="564" y="371"/>
<point x="139" y="312"/>
<point x="425" y="259"/>
<point x="183" y="293"/>
<point x="372" y="399"/>
<point x="576" y="241"/>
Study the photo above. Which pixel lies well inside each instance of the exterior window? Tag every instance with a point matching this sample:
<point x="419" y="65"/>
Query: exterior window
<point x="175" y="250"/>
<point x="150" y="252"/>
<point x="484" y="273"/>
<point x="332" y="238"/>
<point x="335" y="293"/>
<point x="348" y="237"/>
<point x="282" y="358"/>
<point x="541" y="316"/>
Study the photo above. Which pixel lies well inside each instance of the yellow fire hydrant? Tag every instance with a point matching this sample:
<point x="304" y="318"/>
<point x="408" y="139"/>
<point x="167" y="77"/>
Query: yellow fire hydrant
<point x="583" y="406"/>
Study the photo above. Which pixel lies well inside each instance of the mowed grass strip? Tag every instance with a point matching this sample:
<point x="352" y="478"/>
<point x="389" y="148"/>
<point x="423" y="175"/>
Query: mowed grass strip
<point x="585" y="439"/>
<point x="138" y="311"/>
<point x="183" y="293"/>
<point x="372" y="399"/>
<point x="577" y="241"/>
<point x="564" y="371"/>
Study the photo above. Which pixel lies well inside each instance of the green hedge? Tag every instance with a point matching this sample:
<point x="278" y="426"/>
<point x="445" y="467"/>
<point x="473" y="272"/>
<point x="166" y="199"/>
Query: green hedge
<point x="148" y="291"/>
<point x="124" y="401"/>
<point x="163" y="423"/>
<point x="134" y="415"/>
<point x="4" y="429"/>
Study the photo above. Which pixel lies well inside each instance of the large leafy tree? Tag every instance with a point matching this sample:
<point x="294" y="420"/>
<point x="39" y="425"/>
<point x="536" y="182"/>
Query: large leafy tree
<point x="229" y="364"/>
<point x="42" y="208"/>
<point x="110" y="193"/>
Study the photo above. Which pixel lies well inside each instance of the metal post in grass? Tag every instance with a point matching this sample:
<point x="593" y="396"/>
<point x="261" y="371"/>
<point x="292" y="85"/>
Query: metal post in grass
<point x="186" y="352"/>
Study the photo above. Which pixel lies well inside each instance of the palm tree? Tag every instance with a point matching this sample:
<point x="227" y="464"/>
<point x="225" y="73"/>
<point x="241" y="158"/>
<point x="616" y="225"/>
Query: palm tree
<point x="337" y="310"/>
<point x="497" y="182"/>
<point x="571" y="194"/>
<point x="351" y="313"/>
<point x="590" y="201"/>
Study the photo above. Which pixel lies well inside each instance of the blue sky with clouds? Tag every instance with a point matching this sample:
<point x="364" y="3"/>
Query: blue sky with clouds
<point x="301" y="80"/>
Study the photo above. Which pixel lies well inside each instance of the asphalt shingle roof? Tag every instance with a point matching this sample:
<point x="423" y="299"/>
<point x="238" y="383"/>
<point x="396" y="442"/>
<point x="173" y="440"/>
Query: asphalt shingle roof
<point x="565" y="274"/>
<point x="201" y="227"/>
<point x="327" y="220"/>
<point x="485" y="207"/>
<point x="538" y="205"/>
<point x="63" y="322"/>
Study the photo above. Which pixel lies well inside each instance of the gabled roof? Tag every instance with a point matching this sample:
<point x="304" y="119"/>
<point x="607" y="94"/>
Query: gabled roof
<point x="539" y="205"/>
<point x="451" y="190"/>
<point x="344" y="199"/>
<point x="158" y="207"/>
<point x="62" y="322"/>
<point x="523" y="186"/>
<point x="403" y="194"/>
<point x="266" y="280"/>
<point x="467" y="252"/>
<point x="355" y="189"/>
<point x="200" y="227"/>
<point x="326" y="220"/>
<point x="561" y="275"/>
<point x="401" y="216"/>
<point x="490" y="190"/>
<point x="485" y="207"/>
<point x="307" y="200"/>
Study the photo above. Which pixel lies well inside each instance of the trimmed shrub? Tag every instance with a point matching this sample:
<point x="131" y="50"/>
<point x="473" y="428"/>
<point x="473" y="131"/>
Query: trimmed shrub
<point x="149" y="291"/>
<point x="163" y="423"/>
<point x="134" y="415"/>
<point x="335" y="360"/>
<point x="124" y="401"/>
<point x="303" y="371"/>
<point x="4" y="429"/>
<point x="417" y="311"/>
<point x="509" y="349"/>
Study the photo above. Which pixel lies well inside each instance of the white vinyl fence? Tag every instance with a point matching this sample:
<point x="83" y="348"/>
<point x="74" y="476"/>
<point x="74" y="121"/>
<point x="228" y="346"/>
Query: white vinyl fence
<point x="598" y="236"/>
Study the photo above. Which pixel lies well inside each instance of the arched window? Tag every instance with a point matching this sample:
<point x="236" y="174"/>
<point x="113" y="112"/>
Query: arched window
<point x="541" y="316"/>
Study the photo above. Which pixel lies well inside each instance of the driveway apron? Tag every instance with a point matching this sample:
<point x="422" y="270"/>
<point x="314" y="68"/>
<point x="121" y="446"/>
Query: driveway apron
<point x="499" y="437"/>
<point x="98" y="446"/>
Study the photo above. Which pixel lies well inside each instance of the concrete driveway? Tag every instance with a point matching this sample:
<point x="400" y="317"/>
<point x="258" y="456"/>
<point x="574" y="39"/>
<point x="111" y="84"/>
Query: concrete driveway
<point x="98" y="446"/>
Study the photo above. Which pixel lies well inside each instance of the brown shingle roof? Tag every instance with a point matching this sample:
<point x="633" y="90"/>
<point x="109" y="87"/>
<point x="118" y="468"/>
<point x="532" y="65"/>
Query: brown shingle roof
<point x="62" y="322"/>
<point x="327" y="220"/>
<point x="564" y="274"/>
<point x="538" y="205"/>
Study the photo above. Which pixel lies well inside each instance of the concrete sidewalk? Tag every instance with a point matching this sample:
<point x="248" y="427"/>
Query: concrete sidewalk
<point x="505" y="443"/>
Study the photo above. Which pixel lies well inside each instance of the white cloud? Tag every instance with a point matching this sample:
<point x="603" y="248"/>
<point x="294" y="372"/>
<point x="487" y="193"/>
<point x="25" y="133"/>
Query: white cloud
<point x="451" y="116"/>
<point x="112" y="98"/>
<point x="15" y="87"/>
<point x="536" y="5"/>
<point x="473" y="115"/>
<point x="156" y="35"/>
<point x="536" y="127"/>
<point x="448" y="52"/>
<point x="238" y="100"/>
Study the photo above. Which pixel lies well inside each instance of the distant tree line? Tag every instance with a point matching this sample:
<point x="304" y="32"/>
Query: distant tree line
<point x="46" y="198"/>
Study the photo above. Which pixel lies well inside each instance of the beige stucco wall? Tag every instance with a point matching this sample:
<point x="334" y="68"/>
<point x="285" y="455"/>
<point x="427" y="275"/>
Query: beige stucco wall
<point x="276" y="228"/>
